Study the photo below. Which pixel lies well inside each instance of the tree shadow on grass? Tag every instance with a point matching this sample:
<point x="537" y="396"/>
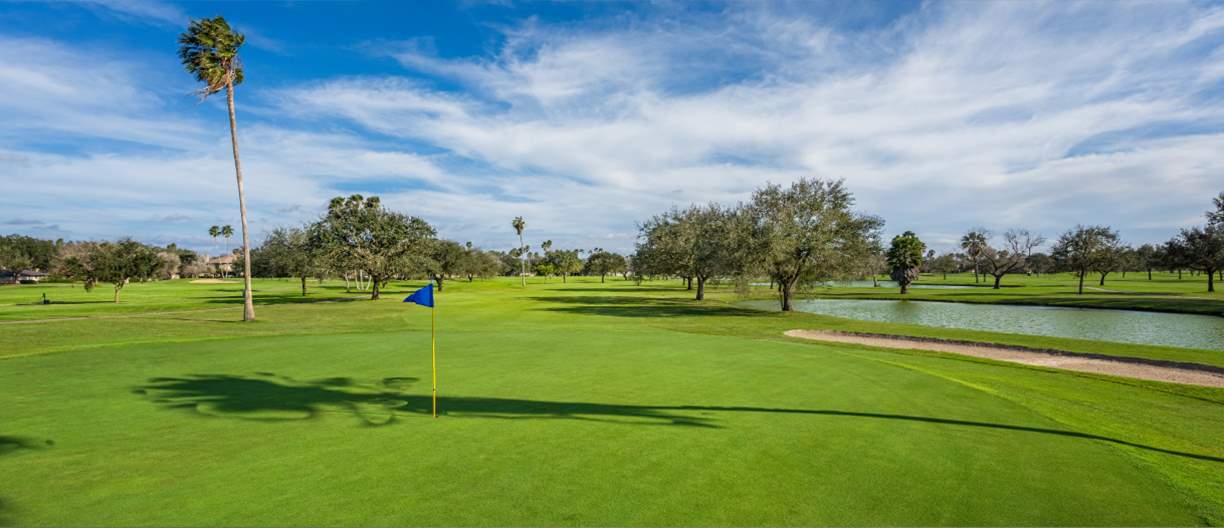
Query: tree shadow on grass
<point x="617" y="289"/>
<point x="11" y="445"/>
<point x="281" y="298"/>
<point x="5" y="515"/>
<point x="633" y="306"/>
<point x="55" y="302"/>
<point x="269" y="397"/>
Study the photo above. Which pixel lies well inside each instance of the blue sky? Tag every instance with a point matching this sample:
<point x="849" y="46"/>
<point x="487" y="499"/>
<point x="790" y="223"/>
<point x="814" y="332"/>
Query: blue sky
<point x="586" y="118"/>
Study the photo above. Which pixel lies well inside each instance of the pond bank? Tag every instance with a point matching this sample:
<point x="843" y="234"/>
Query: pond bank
<point x="1137" y="368"/>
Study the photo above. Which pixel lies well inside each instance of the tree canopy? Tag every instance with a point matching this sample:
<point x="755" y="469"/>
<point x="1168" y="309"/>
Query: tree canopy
<point x="1084" y="249"/>
<point x="905" y="257"/>
<point x="357" y="233"/>
<point x="805" y="232"/>
<point x="209" y="51"/>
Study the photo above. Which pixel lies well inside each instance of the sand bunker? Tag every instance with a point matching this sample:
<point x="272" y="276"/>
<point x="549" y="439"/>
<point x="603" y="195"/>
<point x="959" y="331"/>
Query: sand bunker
<point x="1138" y="368"/>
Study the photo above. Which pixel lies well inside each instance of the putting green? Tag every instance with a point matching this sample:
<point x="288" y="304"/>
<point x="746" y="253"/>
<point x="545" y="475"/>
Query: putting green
<point x="570" y="404"/>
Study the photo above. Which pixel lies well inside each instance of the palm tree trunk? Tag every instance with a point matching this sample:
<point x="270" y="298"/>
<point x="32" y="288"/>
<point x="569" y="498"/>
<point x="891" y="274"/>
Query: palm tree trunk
<point x="248" y="303"/>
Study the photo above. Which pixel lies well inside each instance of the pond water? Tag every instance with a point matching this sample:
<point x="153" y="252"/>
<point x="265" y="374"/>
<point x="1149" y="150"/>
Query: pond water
<point x="1127" y="326"/>
<point x="884" y="284"/>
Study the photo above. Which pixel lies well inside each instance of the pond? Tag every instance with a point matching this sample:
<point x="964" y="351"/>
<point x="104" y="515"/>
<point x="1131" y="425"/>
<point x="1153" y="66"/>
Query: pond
<point x="1127" y="326"/>
<point x="884" y="284"/>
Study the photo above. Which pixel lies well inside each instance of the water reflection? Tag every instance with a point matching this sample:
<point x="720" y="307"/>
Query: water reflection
<point x="1127" y="326"/>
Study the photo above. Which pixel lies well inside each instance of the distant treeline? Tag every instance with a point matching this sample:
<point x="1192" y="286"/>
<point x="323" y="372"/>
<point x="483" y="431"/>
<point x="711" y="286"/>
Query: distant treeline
<point x="798" y="235"/>
<point x="807" y="233"/>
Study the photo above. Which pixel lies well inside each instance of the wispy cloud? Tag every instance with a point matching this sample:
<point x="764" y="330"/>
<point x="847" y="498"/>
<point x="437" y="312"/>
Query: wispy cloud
<point x="146" y="11"/>
<point x="954" y="116"/>
<point x="1040" y="115"/>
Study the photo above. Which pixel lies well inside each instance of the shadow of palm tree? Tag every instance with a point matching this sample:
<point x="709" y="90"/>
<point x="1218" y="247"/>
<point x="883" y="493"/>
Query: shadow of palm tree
<point x="270" y="397"/>
<point x="620" y="288"/>
<point x="12" y="444"/>
<point x="9" y="445"/>
<point x="634" y="306"/>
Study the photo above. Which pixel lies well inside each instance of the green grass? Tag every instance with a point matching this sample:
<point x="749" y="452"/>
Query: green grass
<point x="564" y="404"/>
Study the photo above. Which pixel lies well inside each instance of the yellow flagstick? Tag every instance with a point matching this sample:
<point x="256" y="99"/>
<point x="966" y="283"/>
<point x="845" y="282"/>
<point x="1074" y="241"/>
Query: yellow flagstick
<point x="433" y="353"/>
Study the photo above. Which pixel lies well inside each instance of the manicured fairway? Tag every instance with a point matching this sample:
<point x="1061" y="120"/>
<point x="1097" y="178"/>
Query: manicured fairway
<point x="575" y="403"/>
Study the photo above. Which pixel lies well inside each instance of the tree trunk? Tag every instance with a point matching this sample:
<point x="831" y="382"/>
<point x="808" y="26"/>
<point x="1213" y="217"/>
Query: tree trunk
<point x="688" y="281"/>
<point x="785" y="287"/>
<point x="564" y="278"/>
<point x="438" y="279"/>
<point x="997" y="279"/>
<point x="1103" y="278"/>
<point x="601" y="278"/>
<point x="303" y="285"/>
<point x="119" y="286"/>
<point x="945" y="274"/>
<point x="700" y="288"/>
<point x="1081" y="282"/>
<point x="1178" y="274"/>
<point x="1149" y="274"/>
<point x="248" y="303"/>
<point x="1210" y="282"/>
<point x="374" y="291"/>
<point x="904" y="287"/>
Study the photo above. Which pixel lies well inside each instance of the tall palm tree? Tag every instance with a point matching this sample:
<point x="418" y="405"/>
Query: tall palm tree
<point x="519" y="225"/>
<point x="209" y="51"/>
<point x="227" y="232"/>
<point x="214" y="232"/>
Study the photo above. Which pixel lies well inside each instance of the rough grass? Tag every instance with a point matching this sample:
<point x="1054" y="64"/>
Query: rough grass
<point x="566" y="404"/>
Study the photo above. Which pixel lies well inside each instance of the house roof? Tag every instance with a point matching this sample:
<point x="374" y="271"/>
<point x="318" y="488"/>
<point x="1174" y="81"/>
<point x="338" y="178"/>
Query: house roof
<point x="23" y="273"/>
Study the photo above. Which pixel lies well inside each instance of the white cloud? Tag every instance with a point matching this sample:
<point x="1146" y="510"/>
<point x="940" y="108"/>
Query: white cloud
<point x="964" y="115"/>
<point x="958" y="115"/>
<point x="47" y="89"/>
<point x="149" y="11"/>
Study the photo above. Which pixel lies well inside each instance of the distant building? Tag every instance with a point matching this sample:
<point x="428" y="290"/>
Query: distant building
<point x="21" y="277"/>
<point x="222" y="265"/>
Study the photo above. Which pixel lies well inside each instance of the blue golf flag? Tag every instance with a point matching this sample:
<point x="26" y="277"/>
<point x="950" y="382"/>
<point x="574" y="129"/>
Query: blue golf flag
<point x="423" y="296"/>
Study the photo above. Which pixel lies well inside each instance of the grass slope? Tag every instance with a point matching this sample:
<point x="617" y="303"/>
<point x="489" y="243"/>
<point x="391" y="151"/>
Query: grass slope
<point x="565" y="404"/>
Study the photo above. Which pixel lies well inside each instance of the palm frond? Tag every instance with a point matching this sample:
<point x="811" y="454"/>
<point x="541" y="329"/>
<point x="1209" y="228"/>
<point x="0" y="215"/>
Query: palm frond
<point x="209" y="51"/>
